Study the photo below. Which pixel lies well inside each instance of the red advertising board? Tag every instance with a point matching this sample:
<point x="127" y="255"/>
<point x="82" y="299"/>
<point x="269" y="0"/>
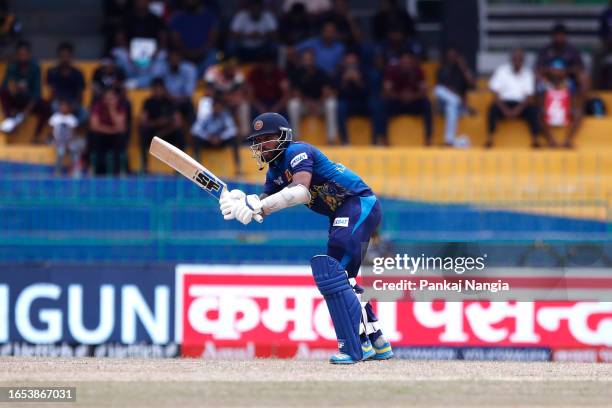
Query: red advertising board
<point x="231" y="311"/>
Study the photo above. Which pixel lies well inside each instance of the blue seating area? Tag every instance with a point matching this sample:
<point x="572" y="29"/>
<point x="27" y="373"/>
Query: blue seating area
<point x="168" y="219"/>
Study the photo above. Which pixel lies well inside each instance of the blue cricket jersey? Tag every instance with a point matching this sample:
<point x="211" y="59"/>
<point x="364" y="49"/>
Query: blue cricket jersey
<point x="331" y="185"/>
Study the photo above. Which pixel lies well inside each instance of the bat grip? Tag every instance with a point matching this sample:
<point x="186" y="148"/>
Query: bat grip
<point x="258" y="218"/>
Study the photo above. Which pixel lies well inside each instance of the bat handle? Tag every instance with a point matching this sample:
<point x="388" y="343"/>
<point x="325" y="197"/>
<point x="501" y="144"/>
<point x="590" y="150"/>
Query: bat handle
<point x="258" y="218"/>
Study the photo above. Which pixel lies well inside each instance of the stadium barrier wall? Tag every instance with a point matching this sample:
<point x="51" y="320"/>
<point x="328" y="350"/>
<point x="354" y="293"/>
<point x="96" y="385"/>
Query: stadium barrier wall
<point x="243" y="312"/>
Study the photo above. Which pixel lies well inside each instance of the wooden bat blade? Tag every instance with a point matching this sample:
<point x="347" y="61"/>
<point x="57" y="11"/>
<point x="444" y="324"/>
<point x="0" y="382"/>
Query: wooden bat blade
<point x="191" y="169"/>
<point x="187" y="166"/>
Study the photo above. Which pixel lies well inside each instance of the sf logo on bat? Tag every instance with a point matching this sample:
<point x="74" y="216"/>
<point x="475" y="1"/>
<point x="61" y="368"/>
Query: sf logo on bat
<point x="208" y="183"/>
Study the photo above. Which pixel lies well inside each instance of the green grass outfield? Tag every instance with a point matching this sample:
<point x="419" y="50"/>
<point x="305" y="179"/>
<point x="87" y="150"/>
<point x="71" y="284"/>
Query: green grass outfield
<point x="286" y="383"/>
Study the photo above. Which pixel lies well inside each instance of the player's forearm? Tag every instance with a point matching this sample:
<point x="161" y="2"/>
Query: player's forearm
<point x="288" y="197"/>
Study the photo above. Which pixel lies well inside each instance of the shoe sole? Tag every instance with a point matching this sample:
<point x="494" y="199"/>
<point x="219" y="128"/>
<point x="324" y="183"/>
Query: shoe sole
<point x="383" y="356"/>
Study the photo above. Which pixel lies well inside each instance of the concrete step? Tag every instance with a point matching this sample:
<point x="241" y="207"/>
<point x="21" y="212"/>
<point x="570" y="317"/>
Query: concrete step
<point x="87" y="46"/>
<point x="529" y="10"/>
<point x="74" y="23"/>
<point x="56" y="5"/>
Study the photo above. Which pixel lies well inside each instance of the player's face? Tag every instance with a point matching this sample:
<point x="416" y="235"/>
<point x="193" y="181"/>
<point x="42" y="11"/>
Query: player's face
<point x="267" y="145"/>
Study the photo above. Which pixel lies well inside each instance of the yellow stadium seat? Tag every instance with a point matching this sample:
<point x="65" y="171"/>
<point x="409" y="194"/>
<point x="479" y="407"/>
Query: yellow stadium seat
<point x="28" y="154"/>
<point x="607" y="99"/>
<point x="312" y="130"/>
<point x="430" y="69"/>
<point x="359" y="131"/>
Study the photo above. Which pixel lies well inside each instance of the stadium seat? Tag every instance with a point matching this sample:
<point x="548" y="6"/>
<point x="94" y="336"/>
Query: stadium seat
<point x="28" y="154"/>
<point x="359" y="131"/>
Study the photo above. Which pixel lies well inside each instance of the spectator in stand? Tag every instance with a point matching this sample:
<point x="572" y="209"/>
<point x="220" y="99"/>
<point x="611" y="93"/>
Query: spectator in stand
<point x="194" y="31"/>
<point x="559" y="103"/>
<point x="108" y="137"/>
<point x="313" y="7"/>
<point x="312" y="93"/>
<point x="114" y="18"/>
<point x="268" y="88"/>
<point x="328" y="49"/>
<point x="20" y="93"/>
<point x="513" y="85"/>
<point x="228" y="82"/>
<point x="10" y="26"/>
<point x="354" y="98"/>
<point x="605" y="23"/>
<point x="405" y="92"/>
<point x="295" y="25"/>
<point x="215" y="129"/>
<point x="180" y="77"/>
<point x="347" y="30"/>
<point x="141" y="23"/>
<point x="560" y="48"/>
<point x="63" y="124"/>
<point x="160" y="118"/>
<point x="67" y="82"/>
<point x="388" y="52"/>
<point x="390" y="15"/>
<point x="254" y="32"/>
<point x="602" y="61"/>
<point x="454" y="79"/>
<point x="141" y="72"/>
<point x="107" y="75"/>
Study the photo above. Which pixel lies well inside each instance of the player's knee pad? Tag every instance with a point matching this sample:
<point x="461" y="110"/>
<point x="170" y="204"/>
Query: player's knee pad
<point x="344" y="306"/>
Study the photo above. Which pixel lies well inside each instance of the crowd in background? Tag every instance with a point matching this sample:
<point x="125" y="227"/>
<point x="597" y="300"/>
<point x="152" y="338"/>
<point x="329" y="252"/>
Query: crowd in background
<point x="303" y="58"/>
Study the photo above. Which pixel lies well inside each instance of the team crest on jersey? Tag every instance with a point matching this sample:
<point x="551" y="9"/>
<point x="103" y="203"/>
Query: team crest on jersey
<point x="288" y="176"/>
<point x="258" y="125"/>
<point x="332" y="194"/>
<point x="298" y="158"/>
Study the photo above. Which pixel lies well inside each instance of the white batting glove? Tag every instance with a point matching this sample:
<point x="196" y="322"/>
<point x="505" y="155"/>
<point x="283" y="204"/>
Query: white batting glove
<point x="246" y="209"/>
<point x="227" y="202"/>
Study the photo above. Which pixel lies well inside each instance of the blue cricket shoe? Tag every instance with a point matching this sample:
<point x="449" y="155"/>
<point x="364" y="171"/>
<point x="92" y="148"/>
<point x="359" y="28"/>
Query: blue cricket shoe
<point x="382" y="349"/>
<point x="343" y="358"/>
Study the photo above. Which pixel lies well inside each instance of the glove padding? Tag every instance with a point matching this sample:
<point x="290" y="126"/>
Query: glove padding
<point x="244" y="210"/>
<point x="227" y="202"/>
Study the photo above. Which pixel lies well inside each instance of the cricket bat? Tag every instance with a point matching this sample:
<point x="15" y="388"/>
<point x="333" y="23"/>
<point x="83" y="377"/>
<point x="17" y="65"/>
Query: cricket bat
<point x="190" y="168"/>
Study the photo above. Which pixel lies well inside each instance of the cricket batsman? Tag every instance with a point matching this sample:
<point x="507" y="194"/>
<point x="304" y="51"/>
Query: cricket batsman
<point x="299" y="173"/>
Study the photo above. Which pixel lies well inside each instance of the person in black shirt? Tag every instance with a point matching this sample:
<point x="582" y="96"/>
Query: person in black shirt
<point x="348" y="31"/>
<point x="142" y="23"/>
<point x="107" y="75"/>
<point x="295" y="26"/>
<point x="311" y="93"/>
<point x="389" y="15"/>
<point x="454" y="79"/>
<point x="67" y="82"/>
<point x="114" y="17"/>
<point x="354" y="97"/>
<point x="160" y="118"/>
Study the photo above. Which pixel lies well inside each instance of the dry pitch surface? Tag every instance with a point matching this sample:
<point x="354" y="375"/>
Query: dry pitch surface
<point x="282" y="383"/>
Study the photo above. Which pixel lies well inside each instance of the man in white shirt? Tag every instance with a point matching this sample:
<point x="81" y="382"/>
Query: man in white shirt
<point x="514" y="86"/>
<point x="254" y="33"/>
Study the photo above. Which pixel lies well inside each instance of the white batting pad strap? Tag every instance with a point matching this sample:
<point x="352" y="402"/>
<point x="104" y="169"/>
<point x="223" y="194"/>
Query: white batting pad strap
<point x="371" y="327"/>
<point x="352" y="281"/>
<point x="287" y="197"/>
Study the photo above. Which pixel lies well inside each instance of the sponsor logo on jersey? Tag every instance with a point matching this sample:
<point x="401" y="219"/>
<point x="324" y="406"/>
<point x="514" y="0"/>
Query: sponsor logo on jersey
<point x="278" y="181"/>
<point x="341" y="222"/>
<point x="298" y="158"/>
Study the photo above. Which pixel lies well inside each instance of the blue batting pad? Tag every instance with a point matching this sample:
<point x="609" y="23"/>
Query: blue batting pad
<point x="342" y="303"/>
